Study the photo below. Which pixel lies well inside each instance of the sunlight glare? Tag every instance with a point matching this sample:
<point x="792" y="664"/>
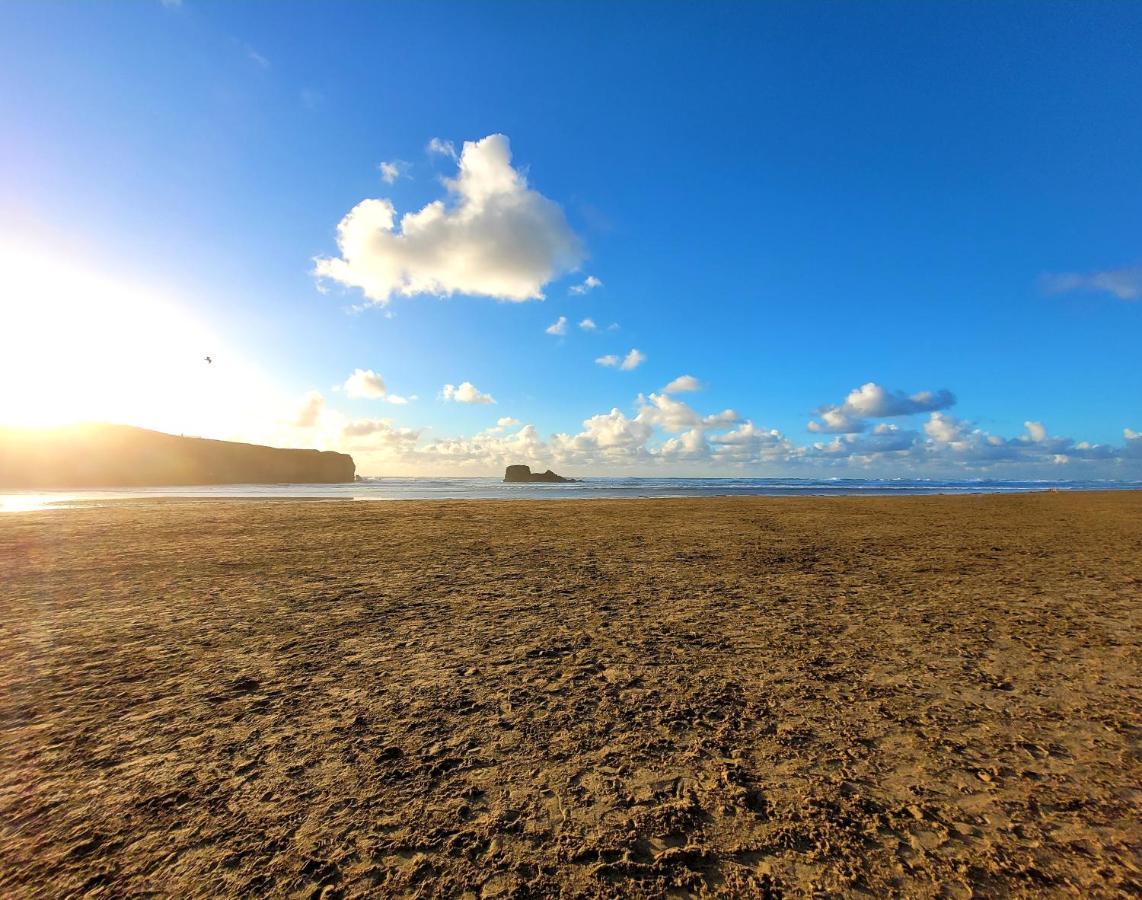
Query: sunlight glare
<point x="77" y="345"/>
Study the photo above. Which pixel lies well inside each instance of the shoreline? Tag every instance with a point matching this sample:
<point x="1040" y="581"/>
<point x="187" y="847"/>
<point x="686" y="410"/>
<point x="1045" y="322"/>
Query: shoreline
<point x="10" y="505"/>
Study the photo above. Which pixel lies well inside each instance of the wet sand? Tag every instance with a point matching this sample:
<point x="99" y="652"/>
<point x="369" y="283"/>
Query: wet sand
<point x="740" y="697"/>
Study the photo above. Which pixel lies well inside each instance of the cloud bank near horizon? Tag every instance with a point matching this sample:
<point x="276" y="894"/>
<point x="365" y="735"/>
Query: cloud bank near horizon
<point x="662" y="433"/>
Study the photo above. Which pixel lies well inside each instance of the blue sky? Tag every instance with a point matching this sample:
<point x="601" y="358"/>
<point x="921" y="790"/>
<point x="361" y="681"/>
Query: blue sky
<point x="785" y="201"/>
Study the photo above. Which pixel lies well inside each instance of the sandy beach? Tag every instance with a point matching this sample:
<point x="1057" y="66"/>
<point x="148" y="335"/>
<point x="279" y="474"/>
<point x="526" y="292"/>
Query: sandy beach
<point x="736" y="697"/>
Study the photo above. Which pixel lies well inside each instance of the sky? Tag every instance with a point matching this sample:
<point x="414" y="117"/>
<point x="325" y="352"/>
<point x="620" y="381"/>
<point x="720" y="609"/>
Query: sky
<point x="771" y="239"/>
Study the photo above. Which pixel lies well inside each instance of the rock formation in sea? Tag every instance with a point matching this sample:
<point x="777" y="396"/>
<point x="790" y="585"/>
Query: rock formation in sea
<point x="523" y="474"/>
<point x="104" y="456"/>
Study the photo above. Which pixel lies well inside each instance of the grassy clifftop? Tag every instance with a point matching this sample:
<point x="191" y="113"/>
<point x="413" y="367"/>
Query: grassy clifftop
<point x="97" y="455"/>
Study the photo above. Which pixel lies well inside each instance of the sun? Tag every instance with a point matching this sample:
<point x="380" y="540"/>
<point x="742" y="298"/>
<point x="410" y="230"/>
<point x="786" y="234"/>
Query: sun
<point x="79" y="345"/>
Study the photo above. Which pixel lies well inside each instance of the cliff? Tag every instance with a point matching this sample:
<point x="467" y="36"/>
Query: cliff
<point x="523" y="474"/>
<point x="96" y="456"/>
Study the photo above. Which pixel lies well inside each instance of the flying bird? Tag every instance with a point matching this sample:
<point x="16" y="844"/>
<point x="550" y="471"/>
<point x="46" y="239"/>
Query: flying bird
<point x="208" y="359"/>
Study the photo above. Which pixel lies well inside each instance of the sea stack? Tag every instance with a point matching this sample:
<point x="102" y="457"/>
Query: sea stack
<point x="522" y="474"/>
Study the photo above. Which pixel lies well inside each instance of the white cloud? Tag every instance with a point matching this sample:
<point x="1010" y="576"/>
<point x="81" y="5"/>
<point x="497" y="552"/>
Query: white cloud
<point x="633" y="360"/>
<point x="1036" y="431"/>
<point x="612" y="432"/>
<point x="676" y="416"/>
<point x="721" y="420"/>
<point x="682" y="384"/>
<point x="495" y="237"/>
<point x="465" y="393"/>
<point x="441" y="148"/>
<point x="690" y="445"/>
<point x="309" y="410"/>
<point x="257" y="59"/>
<point x="559" y="326"/>
<point x="873" y="401"/>
<point x="392" y="170"/>
<point x="751" y="445"/>
<point x="866" y="446"/>
<point x="398" y="400"/>
<point x="666" y="435"/>
<point x="1125" y="284"/>
<point x="945" y="429"/>
<point x="364" y="384"/>
<point x="362" y="427"/>
<point x="588" y="324"/>
<point x="379" y="437"/>
<point x="587" y="284"/>
<point x="673" y="415"/>
<point x="836" y="421"/>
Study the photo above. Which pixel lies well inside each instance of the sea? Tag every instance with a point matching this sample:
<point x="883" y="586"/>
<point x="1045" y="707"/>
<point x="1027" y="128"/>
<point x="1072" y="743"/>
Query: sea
<point x="589" y="488"/>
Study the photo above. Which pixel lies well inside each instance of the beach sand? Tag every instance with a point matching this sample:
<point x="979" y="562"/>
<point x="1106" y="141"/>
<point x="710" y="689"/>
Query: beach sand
<point x="919" y="696"/>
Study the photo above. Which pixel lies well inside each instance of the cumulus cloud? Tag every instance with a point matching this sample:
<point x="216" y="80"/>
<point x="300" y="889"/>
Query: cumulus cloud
<point x="633" y="360"/>
<point x="380" y="437"/>
<point x="494" y="237"/>
<point x="257" y="58"/>
<point x="612" y="432"/>
<point x="559" y="326"/>
<point x="664" y="410"/>
<point x="1133" y="448"/>
<point x="362" y="427"/>
<point x="588" y="324"/>
<point x="662" y="432"/>
<point x="872" y="401"/>
<point x="682" y="384"/>
<point x="666" y="434"/>
<point x="945" y="429"/>
<point x="587" y="284"/>
<point x="465" y="393"/>
<point x="689" y="446"/>
<point x="309" y="410"/>
<point x="750" y="445"/>
<point x="1125" y="284"/>
<point x="392" y="170"/>
<point x="441" y="148"/>
<point x="676" y="416"/>
<point x="877" y="443"/>
<point x="835" y="420"/>
<point x="364" y="384"/>
<point x="955" y="443"/>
